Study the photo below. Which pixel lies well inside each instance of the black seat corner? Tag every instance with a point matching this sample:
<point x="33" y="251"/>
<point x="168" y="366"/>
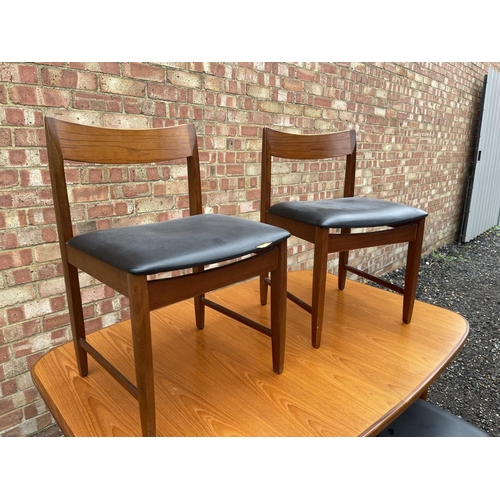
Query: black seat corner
<point x="424" y="419"/>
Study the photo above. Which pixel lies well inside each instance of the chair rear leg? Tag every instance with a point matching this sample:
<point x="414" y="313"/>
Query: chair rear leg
<point x="76" y="317"/>
<point x="199" y="306"/>
<point x="199" y="312"/>
<point x="343" y="260"/>
<point x="143" y="354"/>
<point x="319" y="285"/>
<point x="342" y="272"/>
<point x="412" y="269"/>
<point x="278" y="308"/>
<point x="263" y="289"/>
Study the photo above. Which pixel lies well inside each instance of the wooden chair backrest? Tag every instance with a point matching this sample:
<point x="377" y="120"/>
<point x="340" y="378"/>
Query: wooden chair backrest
<point x="88" y="144"/>
<point x="306" y="147"/>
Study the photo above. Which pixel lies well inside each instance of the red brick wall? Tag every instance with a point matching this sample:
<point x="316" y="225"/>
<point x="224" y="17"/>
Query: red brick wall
<point x="415" y="123"/>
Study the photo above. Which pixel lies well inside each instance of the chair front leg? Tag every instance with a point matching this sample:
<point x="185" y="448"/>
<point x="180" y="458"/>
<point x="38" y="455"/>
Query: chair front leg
<point x="143" y="354"/>
<point x="412" y="269"/>
<point x="319" y="284"/>
<point x="278" y="308"/>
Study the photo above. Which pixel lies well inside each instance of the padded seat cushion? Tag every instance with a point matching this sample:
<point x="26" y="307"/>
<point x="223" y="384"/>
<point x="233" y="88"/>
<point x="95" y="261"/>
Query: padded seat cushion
<point x="179" y="243"/>
<point x="353" y="212"/>
<point x="423" y="419"/>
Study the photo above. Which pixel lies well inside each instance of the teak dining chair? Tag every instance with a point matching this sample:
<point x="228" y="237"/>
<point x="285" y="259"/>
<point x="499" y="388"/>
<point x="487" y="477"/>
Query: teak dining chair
<point x="128" y="259"/>
<point x="313" y="221"/>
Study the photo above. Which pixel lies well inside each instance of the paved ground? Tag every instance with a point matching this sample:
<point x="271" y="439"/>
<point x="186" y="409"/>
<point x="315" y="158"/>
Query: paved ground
<point x="465" y="278"/>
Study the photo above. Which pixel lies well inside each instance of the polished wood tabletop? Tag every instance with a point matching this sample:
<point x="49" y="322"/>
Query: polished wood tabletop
<point x="219" y="381"/>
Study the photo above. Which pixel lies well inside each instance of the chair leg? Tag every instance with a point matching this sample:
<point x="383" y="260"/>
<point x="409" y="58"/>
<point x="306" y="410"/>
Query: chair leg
<point x="263" y="289"/>
<point x="319" y="284"/>
<point x="76" y="317"/>
<point x="412" y="269"/>
<point x="143" y="354"/>
<point x="342" y="272"/>
<point x="199" y="306"/>
<point x="199" y="312"/>
<point x="343" y="260"/>
<point x="278" y="308"/>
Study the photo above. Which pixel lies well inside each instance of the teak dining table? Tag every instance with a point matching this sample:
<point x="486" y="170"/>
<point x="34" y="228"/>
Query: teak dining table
<point x="219" y="381"/>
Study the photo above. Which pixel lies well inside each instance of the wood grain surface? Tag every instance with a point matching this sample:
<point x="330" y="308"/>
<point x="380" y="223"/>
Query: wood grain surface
<point x="219" y="381"/>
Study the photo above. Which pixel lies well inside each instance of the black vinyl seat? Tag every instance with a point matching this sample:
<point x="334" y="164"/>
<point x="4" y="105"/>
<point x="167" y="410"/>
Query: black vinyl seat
<point x="423" y="419"/>
<point x="355" y="212"/>
<point x="167" y="246"/>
